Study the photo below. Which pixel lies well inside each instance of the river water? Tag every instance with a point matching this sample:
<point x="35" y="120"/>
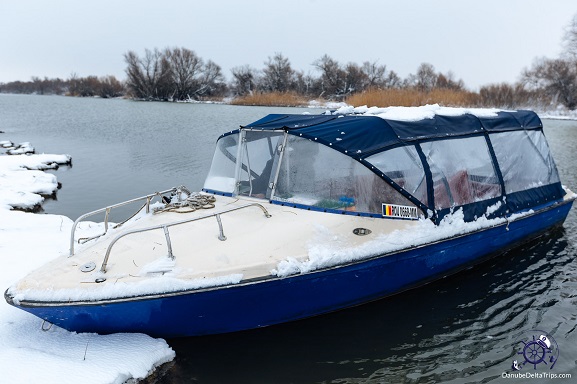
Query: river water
<point x="462" y="329"/>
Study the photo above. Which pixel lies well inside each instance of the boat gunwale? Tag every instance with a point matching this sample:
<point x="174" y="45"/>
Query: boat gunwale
<point x="259" y="280"/>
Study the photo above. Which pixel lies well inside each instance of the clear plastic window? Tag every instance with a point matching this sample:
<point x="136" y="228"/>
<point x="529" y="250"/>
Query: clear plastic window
<point x="221" y="176"/>
<point x="462" y="171"/>
<point x="529" y="164"/>
<point x="259" y="150"/>
<point x="405" y="168"/>
<point x="316" y="175"/>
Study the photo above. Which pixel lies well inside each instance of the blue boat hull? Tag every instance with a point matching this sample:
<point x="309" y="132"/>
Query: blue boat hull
<point x="277" y="300"/>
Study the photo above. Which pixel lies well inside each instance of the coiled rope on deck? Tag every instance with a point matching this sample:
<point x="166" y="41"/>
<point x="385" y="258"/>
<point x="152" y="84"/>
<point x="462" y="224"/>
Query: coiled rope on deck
<point x="184" y="201"/>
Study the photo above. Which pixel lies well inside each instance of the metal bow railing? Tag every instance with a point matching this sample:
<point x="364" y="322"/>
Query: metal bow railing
<point x="165" y="227"/>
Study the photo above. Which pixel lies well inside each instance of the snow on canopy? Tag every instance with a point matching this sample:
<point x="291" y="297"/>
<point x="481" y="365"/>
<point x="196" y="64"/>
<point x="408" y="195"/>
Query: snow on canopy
<point x="360" y="132"/>
<point x="365" y="133"/>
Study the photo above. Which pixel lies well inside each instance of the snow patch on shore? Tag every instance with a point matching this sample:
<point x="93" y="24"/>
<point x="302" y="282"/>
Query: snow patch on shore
<point x="22" y="182"/>
<point x="27" y="353"/>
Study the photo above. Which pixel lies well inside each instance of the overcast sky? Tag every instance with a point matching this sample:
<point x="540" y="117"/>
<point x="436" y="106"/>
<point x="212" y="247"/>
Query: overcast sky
<point x="481" y="42"/>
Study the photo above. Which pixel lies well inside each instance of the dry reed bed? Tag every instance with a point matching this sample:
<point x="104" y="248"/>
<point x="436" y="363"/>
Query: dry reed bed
<point x="413" y="98"/>
<point x="370" y="98"/>
<point x="276" y="99"/>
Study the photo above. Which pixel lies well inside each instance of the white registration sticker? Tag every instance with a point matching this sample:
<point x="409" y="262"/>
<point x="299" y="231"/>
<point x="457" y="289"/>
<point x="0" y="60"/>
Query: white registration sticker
<point x="400" y="211"/>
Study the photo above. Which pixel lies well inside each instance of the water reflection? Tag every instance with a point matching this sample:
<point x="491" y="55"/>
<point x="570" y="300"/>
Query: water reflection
<point x="459" y="329"/>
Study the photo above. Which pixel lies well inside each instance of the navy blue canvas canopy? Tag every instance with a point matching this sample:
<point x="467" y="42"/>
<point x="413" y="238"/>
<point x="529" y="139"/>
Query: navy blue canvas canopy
<point x="361" y="135"/>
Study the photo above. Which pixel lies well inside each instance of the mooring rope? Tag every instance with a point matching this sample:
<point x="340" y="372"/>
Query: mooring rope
<point x="184" y="201"/>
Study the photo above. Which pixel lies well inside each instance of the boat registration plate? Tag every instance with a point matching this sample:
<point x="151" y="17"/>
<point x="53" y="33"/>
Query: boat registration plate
<point x="400" y="211"/>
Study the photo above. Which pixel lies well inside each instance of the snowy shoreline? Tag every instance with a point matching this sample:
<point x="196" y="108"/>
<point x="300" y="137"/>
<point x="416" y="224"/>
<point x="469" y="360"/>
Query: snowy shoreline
<point x="555" y="113"/>
<point x="29" y="353"/>
<point x="23" y="184"/>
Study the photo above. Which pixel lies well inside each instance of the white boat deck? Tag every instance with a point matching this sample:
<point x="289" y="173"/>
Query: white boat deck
<point x="253" y="247"/>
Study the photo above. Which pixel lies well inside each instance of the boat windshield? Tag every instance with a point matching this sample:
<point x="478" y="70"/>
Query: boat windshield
<point x="221" y="177"/>
<point x="309" y="174"/>
<point x="259" y="156"/>
<point x="246" y="169"/>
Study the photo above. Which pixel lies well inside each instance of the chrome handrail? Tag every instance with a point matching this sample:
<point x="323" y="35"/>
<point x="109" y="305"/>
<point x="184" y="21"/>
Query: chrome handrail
<point x="165" y="227"/>
<point x="107" y="210"/>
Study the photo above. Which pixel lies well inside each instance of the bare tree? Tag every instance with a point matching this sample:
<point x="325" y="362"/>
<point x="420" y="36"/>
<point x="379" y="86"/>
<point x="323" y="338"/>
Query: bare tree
<point x="497" y="95"/>
<point x="448" y="81"/>
<point x="135" y="77"/>
<point x="333" y="77"/>
<point x="512" y="96"/>
<point x="39" y="85"/>
<point x="304" y="84"/>
<point x="392" y="80"/>
<point x="185" y="67"/>
<point x="375" y="75"/>
<point x="426" y="77"/>
<point x="244" y="80"/>
<point x="278" y="76"/>
<point x="555" y="77"/>
<point x="211" y="81"/>
<point x="109" y="86"/>
<point x="173" y="74"/>
<point x="149" y="77"/>
<point x="356" y="80"/>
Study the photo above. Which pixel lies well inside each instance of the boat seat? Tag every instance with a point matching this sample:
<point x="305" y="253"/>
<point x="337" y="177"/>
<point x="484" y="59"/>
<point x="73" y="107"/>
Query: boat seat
<point x="460" y="188"/>
<point x="455" y="191"/>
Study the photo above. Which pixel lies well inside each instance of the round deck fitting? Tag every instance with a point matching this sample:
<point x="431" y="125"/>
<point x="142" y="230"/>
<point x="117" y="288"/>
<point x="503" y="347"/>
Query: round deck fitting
<point x="88" y="267"/>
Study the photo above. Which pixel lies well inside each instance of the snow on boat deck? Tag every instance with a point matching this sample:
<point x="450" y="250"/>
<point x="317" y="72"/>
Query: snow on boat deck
<point x="130" y="271"/>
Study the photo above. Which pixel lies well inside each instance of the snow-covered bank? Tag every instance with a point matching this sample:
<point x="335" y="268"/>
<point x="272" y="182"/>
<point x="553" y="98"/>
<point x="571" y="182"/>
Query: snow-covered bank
<point x="22" y="182"/>
<point x="560" y="114"/>
<point x="27" y="240"/>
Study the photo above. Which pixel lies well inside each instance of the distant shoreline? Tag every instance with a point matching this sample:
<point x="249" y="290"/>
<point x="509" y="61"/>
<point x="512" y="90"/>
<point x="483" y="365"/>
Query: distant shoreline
<point x="554" y="113"/>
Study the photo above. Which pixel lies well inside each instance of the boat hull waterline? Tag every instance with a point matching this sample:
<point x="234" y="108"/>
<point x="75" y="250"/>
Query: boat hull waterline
<point x="275" y="300"/>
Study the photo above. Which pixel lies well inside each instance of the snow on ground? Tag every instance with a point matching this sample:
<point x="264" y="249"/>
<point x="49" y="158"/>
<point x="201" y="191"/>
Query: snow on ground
<point x="22" y="182"/>
<point x="27" y="353"/>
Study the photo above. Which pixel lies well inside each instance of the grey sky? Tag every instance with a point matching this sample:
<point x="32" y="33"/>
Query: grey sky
<point x="481" y="42"/>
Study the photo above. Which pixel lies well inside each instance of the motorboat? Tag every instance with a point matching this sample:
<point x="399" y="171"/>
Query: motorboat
<point x="305" y="214"/>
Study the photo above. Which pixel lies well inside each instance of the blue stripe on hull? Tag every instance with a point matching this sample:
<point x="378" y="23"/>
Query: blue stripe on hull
<point x="274" y="301"/>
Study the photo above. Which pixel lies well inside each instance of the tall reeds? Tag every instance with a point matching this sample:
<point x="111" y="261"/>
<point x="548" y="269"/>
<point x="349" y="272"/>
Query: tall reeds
<point x="413" y="98"/>
<point x="285" y="99"/>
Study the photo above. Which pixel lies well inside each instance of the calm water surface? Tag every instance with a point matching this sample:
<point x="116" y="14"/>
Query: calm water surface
<point x="461" y="329"/>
